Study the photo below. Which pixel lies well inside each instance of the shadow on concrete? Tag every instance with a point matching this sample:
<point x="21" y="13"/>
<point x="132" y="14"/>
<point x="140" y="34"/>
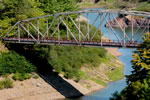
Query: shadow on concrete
<point x="46" y="71"/>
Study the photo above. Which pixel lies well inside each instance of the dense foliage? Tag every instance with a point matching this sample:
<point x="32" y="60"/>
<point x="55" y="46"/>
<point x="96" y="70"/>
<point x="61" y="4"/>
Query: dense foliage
<point x="15" y="10"/>
<point x="57" y="6"/>
<point x="21" y="76"/>
<point x="139" y="81"/>
<point x="12" y="62"/>
<point x="69" y="60"/>
<point x="6" y="83"/>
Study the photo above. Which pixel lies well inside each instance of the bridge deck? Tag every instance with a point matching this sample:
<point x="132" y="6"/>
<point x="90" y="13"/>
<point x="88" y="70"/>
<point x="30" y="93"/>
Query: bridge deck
<point x="104" y="43"/>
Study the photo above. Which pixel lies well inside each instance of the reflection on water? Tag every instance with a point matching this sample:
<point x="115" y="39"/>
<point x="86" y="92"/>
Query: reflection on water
<point x="126" y="58"/>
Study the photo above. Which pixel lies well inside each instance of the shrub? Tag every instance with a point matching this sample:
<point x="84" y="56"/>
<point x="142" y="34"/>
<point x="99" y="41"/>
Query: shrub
<point x="1" y="85"/>
<point x="12" y="62"/>
<point x="21" y="76"/>
<point x="7" y="83"/>
<point x="35" y="76"/>
<point x="69" y="60"/>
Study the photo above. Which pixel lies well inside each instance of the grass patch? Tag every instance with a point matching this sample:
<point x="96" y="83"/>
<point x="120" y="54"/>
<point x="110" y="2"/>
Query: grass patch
<point x="99" y="81"/>
<point x="7" y="83"/>
<point x="115" y="74"/>
<point x="21" y="76"/>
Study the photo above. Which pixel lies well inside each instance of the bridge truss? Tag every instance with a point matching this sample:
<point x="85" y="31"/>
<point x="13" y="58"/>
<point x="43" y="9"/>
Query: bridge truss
<point x="65" y="29"/>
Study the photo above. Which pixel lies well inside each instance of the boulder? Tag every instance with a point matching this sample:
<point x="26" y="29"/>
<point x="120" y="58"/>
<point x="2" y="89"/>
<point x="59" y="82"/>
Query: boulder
<point x="127" y="22"/>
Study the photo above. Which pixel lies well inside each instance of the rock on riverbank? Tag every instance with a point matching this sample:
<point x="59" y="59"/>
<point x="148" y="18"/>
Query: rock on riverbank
<point x="128" y="21"/>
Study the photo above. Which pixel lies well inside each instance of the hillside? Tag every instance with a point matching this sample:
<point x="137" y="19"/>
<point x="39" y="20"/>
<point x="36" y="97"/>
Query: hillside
<point x="141" y="5"/>
<point x="49" y="84"/>
<point x="64" y="71"/>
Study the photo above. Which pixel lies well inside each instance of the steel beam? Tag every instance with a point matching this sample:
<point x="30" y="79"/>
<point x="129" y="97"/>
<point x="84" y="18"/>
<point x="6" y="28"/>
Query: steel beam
<point x="76" y="26"/>
<point x="79" y="28"/>
<point x="121" y="27"/>
<point x="19" y="33"/>
<point x="11" y="29"/>
<point x="28" y="32"/>
<point x="101" y="15"/>
<point x="112" y="29"/>
<point x="50" y="25"/>
<point x="88" y="27"/>
<point x="37" y="29"/>
<point x="132" y="28"/>
<point x="141" y="34"/>
<point x="68" y="28"/>
<point x="91" y="26"/>
<point x="139" y="28"/>
<point x="47" y="28"/>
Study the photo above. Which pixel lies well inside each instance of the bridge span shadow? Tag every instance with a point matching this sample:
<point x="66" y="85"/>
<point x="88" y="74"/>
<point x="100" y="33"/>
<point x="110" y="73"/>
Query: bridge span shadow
<point x="46" y="72"/>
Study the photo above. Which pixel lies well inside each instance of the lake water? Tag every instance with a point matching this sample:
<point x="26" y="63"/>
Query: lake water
<point x="126" y="58"/>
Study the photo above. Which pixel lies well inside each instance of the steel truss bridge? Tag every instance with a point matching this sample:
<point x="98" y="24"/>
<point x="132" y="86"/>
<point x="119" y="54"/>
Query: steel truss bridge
<point x="65" y="29"/>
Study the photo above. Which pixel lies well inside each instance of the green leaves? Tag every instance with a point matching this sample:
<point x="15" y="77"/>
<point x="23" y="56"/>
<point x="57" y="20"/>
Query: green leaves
<point x="21" y="76"/>
<point x="69" y="60"/>
<point x="56" y="6"/>
<point x="11" y="62"/>
<point x="16" y="10"/>
<point x="7" y="83"/>
<point x="139" y="81"/>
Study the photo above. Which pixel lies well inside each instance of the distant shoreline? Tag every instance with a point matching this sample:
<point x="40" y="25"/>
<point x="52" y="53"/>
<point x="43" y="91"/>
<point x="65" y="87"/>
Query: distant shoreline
<point x="91" y="5"/>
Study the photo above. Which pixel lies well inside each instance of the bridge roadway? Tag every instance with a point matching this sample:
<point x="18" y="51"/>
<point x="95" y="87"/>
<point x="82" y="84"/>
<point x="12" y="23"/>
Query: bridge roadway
<point x="94" y="43"/>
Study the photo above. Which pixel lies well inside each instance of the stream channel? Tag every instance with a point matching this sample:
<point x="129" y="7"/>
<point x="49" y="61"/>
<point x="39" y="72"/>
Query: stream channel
<point x="126" y="57"/>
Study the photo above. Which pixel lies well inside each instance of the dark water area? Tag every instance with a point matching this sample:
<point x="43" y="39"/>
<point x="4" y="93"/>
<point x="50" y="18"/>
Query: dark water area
<point x="125" y="58"/>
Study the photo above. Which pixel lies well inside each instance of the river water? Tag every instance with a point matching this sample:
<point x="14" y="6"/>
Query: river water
<point x="126" y="58"/>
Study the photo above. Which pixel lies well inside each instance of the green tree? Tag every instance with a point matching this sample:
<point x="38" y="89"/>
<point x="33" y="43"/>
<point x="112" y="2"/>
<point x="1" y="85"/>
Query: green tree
<point x="12" y="62"/>
<point x="15" y="10"/>
<point x="139" y="81"/>
<point x="57" y="6"/>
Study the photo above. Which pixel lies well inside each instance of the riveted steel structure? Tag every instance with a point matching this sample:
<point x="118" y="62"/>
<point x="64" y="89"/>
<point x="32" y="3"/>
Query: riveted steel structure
<point x="48" y="29"/>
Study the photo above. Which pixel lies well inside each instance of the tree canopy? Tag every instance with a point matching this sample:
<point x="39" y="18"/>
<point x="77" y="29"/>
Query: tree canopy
<point x="16" y="10"/>
<point x="139" y="81"/>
